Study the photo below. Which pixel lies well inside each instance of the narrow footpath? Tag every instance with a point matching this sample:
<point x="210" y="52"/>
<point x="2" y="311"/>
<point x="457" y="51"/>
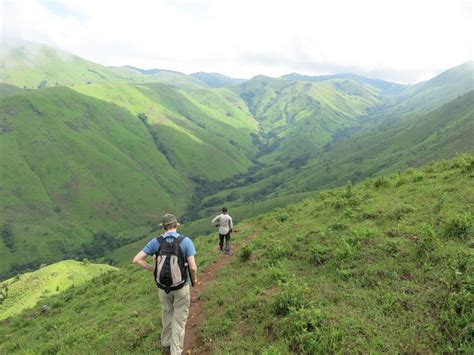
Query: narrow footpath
<point x="192" y="342"/>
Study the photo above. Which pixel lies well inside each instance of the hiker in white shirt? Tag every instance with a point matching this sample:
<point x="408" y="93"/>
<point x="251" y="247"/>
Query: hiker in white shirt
<point x="224" y="222"/>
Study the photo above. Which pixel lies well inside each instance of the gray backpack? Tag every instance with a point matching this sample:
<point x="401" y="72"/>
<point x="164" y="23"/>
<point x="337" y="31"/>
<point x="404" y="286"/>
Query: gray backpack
<point x="171" y="268"/>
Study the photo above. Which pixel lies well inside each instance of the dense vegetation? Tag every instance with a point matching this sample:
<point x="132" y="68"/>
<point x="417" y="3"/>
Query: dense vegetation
<point x="381" y="266"/>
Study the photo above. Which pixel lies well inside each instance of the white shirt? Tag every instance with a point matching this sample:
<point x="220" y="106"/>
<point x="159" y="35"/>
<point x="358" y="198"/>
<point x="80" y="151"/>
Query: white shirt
<point x="224" y="221"/>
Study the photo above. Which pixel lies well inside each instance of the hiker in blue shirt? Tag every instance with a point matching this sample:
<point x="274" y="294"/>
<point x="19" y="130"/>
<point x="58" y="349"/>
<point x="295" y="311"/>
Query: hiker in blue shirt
<point x="175" y="303"/>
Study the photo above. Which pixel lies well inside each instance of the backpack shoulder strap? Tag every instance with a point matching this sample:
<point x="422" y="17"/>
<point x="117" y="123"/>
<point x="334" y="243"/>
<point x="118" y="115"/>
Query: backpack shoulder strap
<point x="180" y="238"/>
<point x="160" y="239"/>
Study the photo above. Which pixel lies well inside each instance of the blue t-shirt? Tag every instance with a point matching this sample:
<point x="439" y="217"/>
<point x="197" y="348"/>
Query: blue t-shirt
<point x="187" y="246"/>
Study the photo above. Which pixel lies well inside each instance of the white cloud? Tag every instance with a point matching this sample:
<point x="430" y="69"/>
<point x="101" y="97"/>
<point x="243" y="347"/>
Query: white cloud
<point x="396" y="40"/>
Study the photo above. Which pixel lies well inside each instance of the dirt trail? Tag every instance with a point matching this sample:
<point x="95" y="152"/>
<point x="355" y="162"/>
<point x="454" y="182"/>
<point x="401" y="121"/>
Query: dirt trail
<point x="192" y="343"/>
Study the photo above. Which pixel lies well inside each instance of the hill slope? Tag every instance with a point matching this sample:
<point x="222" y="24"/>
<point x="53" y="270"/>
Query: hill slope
<point x="33" y="65"/>
<point x="296" y="118"/>
<point x="203" y="132"/>
<point x="28" y="289"/>
<point x="73" y="166"/>
<point x="437" y="91"/>
<point x="379" y="267"/>
<point x="216" y="80"/>
<point x="383" y="266"/>
<point x="383" y="86"/>
<point x="379" y="148"/>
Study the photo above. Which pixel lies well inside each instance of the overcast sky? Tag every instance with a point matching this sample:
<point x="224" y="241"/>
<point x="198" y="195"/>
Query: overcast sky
<point x="397" y="40"/>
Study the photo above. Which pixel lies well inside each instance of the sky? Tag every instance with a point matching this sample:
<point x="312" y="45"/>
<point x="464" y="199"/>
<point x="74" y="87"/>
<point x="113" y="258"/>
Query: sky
<point x="405" y="41"/>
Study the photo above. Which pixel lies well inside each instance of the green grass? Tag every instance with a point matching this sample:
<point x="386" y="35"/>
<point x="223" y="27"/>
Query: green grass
<point x="436" y="92"/>
<point x="204" y="132"/>
<point x="80" y="161"/>
<point x="27" y="290"/>
<point x="295" y="118"/>
<point x="385" y="147"/>
<point x="118" y="312"/>
<point x="382" y="266"/>
<point x="32" y="65"/>
<point x="73" y="166"/>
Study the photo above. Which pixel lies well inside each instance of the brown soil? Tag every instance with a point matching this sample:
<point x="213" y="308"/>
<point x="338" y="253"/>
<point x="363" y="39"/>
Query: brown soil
<point x="192" y="342"/>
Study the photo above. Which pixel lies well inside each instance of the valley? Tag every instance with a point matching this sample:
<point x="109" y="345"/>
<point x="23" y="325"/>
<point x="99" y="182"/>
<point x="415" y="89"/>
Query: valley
<point x="87" y="155"/>
<point x="352" y="197"/>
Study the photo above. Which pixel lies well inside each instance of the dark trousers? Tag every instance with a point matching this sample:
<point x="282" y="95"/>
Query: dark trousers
<point x="227" y="242"/>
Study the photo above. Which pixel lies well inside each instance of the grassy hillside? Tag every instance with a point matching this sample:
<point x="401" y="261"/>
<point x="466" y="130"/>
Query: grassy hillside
<point x="436" y="92"/>
<point x="73" y="166"/>
<point x="383" y="266"/>
<point x="118" y="312"/>
<point x="27" y="290"/>
<point x="216" y="80"/>
<point x="168" y="77"/>
<point x="295" y="118"/>
<point x="380" y="148"/>
<point x="100" y="160"/>
<point x="386" y="87"/>
<point x="33" y="65"/>
<point x="8" y="90"/>
<point x="203" y="132"/>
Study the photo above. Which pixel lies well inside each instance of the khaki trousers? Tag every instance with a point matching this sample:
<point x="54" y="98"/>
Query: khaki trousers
<point x="175" y="313"/>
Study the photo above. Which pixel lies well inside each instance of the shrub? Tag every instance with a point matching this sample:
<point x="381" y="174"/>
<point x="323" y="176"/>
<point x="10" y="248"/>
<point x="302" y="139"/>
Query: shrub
<point x="337" y="227"/>
<point x="277" y="251"/>
<point x="277" y="273"/>
<point x="245" y="253"/>
<point x="290" y="296"/>
<point x="418" y="177"/>
<point x="7" y="235"/>
<point x="399" y="212"/>
<point x="304" y="330"/>
<point x="391" y="248"/>
<point x="458" y="226"/>
<point x="318" y="254"/>
<point x="381" y="182"/>
<point x="428" y="242"/>
<point x="401" y="181"/>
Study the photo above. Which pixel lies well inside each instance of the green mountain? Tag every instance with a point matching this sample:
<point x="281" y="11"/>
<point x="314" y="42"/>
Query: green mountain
<point x="8" y="90"/>
<point x="73" y="166"/>
<point x="97" y="160"/>
<point x="384" y="148"/>
<point x="25" y="291"/>
<point x="33" y="65"/>
<point x="201" y="133"/>
<point x="382" y="266"/>
<point x="386" y="87"/>
<point x="171" y="78"/>
<point x="436" y="92"/>
<point x="295" y="118"/>
<point x="216" y="80"/>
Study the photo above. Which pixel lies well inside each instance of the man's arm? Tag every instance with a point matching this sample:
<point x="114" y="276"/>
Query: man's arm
<point x="215" y="220"/>
<point x="192" y="269"/>
<point x="140" y="260"/>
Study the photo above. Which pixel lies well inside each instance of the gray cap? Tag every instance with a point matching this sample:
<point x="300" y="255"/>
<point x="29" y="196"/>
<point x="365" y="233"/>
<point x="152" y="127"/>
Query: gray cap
<point x="168" y="219"/>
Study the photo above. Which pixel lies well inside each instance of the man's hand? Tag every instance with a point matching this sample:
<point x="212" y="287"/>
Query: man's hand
<point x="139" y="259"/>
